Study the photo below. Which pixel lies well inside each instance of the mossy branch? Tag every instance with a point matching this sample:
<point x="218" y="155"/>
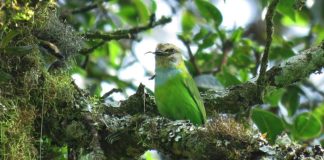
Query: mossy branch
<point x="128" y="137"/>
<point x="242" y="97"/>
<point x="177" y="139"/>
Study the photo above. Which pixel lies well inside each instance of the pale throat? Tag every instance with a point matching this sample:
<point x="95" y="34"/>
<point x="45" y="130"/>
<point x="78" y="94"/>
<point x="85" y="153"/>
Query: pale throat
<point x="168" y="71"/>
<point x="162" y="75"/>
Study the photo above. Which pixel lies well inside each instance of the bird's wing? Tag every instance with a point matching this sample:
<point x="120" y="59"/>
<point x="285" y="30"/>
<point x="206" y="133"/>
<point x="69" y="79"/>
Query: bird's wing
<point x="190" y="85"/>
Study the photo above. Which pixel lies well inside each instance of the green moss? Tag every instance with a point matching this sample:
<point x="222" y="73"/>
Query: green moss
<point x="48" y="27"/>
<point x="31" y="95"/>
<point x="16" y="126"/>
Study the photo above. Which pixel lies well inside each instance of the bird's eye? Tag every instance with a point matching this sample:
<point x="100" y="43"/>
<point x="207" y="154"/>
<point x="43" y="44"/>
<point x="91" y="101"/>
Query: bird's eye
<point x="170" y="50"/>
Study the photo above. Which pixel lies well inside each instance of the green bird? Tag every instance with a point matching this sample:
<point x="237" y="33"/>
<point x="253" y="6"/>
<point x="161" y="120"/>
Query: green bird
<point x="176" y="94"/>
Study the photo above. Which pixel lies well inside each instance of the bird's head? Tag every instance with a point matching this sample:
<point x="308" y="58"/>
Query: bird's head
<point x="167" y="55"/>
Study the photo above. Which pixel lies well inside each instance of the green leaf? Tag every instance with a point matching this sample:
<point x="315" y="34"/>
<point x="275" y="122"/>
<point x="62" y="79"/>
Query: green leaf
<point x="209" y="12"/>
<point x="273" y="96"/>
<point x="201" y="34"/>
<point x="286" y="7"/>
<point x="319" y="32"/>
<point x="290" y="100"/>
<point x="301" y="19"/>
<point x="202" y="57"/>
<point x="319" y="112"/>
<point x="100" y="52"/>
<point x="18" y="51"/>
<point x="208" y="41"/>
<point x="237" y="35"/>
<point x="281" y="52"/>
<point x="4" y="77"/>
<point x="268" y="123"/>
<point x="306" y="126"/>
<point x="244" y="75"/>
<point x="153" y="6"/>
<point x="129" y="13"/>
<point x="187" y="22"/>
<point x="227" y="79"/>
<point x="143" y="11"/>
<point x="5" y="41"/>
<point x="115" y="51"/>
<point x="241" y="58"/>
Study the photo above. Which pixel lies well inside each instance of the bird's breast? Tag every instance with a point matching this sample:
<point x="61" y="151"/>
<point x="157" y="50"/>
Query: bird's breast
<point x="162" y="76"/>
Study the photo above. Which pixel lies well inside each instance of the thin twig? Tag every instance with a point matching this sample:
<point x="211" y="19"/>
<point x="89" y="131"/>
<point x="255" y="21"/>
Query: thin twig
<point x="121" y="34"/>
<point x="151" y="78"/>
<point x="114" y="90"/>
<point x="127" y="33"/>
<point x="269" y="30"/>
<point x="86" y="51"/>
<point x="223" y="61"/>
<point x="84" y="9"/>
<point x="257" y="62"/>
<point x="226" y="47"/>
<point x="41" y="131"/>
<point x="192" y="58"/>
<point x="85" y="62"/>
<point x="77" y="88"/>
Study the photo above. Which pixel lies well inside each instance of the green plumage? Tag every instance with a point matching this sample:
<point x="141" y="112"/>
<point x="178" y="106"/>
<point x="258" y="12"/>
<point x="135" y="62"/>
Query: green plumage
<point x="177" y="96"/>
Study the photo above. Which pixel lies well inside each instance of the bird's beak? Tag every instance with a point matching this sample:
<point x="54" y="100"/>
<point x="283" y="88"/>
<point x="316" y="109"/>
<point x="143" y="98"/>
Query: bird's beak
<point x="160" y="53"/>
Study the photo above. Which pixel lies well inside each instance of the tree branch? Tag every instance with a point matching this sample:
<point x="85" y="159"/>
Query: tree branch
<point x="107" y="94"/>
<point x="127" y="33"/>
<point x="87" y="51"/>
<point x="128" y="137"/>
<point x="269" y="30"/>
<point x="121" y="34"/>
<point x="84" y="9"/>
<point x="191" y="56"/>
<point x="222" y="137"/>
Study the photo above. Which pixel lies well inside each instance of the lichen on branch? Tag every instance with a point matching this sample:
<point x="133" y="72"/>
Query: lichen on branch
<point x="221" y="137"/>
